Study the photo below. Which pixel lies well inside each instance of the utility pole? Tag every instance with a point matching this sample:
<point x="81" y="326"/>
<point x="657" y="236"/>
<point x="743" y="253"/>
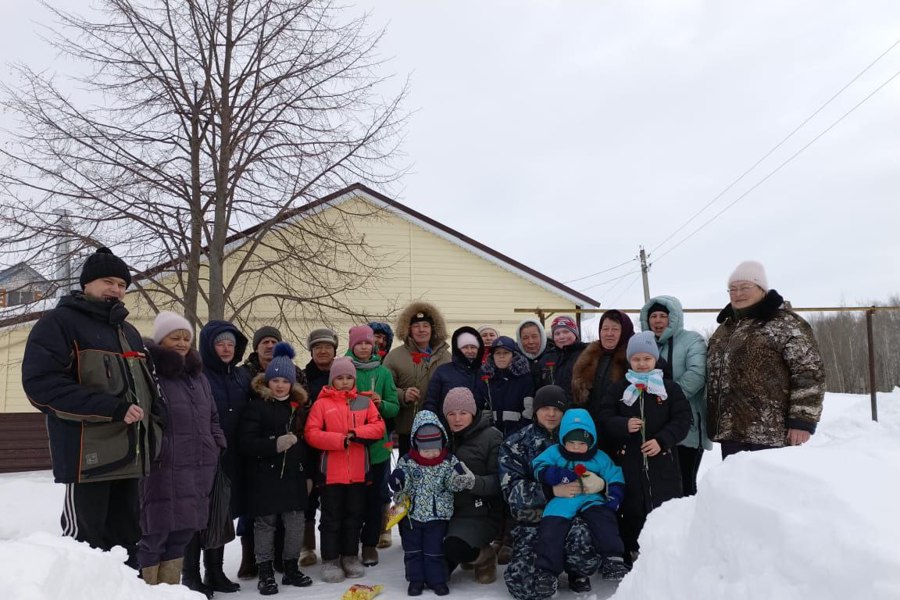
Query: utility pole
<point x="644" y="270"/>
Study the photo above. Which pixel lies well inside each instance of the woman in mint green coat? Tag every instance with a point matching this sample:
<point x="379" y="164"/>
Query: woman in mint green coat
<point x="685" y="354"/>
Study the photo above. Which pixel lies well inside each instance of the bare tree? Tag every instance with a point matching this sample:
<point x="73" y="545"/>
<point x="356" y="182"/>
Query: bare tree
<point x="203" y="119"/>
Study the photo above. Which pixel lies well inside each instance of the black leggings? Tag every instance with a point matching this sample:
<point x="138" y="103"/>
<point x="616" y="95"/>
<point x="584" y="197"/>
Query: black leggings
<point x="689" y="463"/>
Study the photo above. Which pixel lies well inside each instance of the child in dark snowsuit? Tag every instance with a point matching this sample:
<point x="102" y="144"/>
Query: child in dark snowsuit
<point x="576" y="458"/>
<point x="428" y="476"/>
<point x="645" y="417"/>
<point x="272" y="439"/>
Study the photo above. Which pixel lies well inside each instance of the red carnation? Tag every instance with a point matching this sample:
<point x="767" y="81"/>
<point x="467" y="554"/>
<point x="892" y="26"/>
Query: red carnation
<point x="641" y="387"/>
<point x="580" y="470"/>
<point x="294" y="405"/>
<point x="382" y="353"/>
<point x="551" y="364"/>
<point x="485" y="378"/>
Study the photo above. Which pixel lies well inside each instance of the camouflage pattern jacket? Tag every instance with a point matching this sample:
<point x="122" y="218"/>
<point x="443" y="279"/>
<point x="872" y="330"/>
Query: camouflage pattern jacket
<point x="526" y="498"/>
<point x="764" y="375"/>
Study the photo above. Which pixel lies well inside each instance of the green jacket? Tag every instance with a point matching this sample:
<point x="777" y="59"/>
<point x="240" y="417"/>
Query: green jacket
<point x="688" y="365"/>
<point x="379" y="380"/>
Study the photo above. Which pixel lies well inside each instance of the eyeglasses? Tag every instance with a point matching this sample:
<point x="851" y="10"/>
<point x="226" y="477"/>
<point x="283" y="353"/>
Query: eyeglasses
<point x="741" y="290"/>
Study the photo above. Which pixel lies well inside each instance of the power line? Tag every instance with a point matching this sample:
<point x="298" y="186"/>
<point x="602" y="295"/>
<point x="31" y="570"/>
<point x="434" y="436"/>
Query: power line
<point x="625" y="291"/>
<point x="631" y="260"/>
<point x="781" y="166"/>
<point x="608" y="281"/>
<point x="774" y="148"/>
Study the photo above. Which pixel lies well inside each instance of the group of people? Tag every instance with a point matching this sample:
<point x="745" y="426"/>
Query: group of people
<point x="543" y="453"/>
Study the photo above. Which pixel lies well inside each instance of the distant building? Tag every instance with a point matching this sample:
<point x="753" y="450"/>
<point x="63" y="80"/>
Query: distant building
<point x="20" y="284"/>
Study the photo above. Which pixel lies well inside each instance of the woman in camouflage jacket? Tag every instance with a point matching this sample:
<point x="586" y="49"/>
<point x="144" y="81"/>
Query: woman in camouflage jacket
<point x="765" y="379"/>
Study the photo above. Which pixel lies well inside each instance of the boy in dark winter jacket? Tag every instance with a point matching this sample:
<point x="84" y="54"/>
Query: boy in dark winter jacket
<point x="272" y="434"/>
<point x="577" y="458"/>
<point x="428" y="476"/>
<point x="343" y="423"/>
<point x="506" y="388"/>
<point x="645" y="416"/>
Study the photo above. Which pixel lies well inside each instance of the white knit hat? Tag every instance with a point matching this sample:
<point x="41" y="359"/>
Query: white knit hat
<point x="166" y="322"/>
<point x="751" y="271"/>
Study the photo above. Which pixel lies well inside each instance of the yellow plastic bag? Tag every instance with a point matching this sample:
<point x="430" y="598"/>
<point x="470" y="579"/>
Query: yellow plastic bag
<point x="359" y="591"/>
<point x="398" y="511"/>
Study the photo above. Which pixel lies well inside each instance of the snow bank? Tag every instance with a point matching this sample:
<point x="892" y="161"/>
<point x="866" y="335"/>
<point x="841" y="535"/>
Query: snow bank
<point x="817" y="521"/>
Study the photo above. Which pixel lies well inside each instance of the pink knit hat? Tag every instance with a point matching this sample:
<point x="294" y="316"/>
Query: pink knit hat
<point x="459" y="398"/>
<point x="341" y="366"/>
<point x="361" y="333"/>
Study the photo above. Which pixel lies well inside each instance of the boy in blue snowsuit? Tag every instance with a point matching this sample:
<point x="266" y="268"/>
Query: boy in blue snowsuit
<point x="577" y="458"/>
<point x="429" y="476"/>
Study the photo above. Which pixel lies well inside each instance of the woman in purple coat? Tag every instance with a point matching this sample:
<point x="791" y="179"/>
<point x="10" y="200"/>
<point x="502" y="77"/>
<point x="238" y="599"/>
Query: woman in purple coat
<point x="175" y="495"/>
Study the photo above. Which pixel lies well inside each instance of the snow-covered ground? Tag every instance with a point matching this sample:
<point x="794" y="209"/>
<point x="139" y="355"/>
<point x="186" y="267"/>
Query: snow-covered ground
<point x="814" y="522"/>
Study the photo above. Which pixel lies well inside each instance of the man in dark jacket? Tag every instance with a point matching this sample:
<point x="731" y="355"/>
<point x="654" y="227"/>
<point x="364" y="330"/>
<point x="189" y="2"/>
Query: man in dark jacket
<point x="222" y="347"/>
<point x="86" y="368"/>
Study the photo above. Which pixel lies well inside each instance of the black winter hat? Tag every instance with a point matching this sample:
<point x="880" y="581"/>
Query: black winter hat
<point x="550" y="395"/>
<point x="264" y="332"/>
<point x="657" y="307"/>
<point x="103" y="263"/>
<point x="579" y="435"/>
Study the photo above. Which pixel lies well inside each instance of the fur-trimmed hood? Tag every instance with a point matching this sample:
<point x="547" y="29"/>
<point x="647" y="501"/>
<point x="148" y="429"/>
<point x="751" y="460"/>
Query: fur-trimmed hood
<point x="438" y="330"/>
<point x="261" y="390"/>
<point x="585" y="370"/>
<point x="170" y="364"/>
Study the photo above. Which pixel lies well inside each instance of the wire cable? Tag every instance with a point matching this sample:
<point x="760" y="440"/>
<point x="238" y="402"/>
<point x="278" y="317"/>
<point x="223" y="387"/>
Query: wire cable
<point x="620" y="277"/>
<point x="775" y="147"/>
<point x="601" y="272"/>
<point x="781" y="166"/>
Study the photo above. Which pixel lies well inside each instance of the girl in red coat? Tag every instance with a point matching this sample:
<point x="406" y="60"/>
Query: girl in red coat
<point x="341" y="423"/>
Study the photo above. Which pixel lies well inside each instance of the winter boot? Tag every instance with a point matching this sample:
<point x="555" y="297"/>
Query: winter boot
<point x="293" y="576"/>
<point x="308" y="553"/>
<point x="353" y="569"/>
<point x="266" y="585"/>
<point x="369" y="556"/>
<point x="545" y="584"/>
<point x="485" y="565"/>
<point x="150" y="575"/>
<point x="440" y="589"/>
<point x="614" y="568"/>
<point x="332" y="572"/>
<point x="170" y="571"/>
<point x="214" y="577"/>
<point x="415" y="588"/>
<point x="579" y="584"/>
<point x="385" y="539"/>
<point x="190" y="570"/>
<point x="247" y="570"/>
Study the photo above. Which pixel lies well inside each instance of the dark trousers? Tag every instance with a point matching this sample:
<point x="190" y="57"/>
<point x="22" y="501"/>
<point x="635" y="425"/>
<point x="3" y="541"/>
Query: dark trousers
<point x="374" y="503"/>
<point x="729" y="448"/>
<point x="155" y="548"/>
<point x="403" y="443"/>
<point x="551" y="544"/>
<point x="458" y="551"/>
<point x="103" y="514"/>
<point x="312" y="499"/>
<point x="423" y="550"/>
<point x="341" y="520"/>
<point x="264" y="528"/>
<point x="630" y="526"/>
<point x="689" y="463"/>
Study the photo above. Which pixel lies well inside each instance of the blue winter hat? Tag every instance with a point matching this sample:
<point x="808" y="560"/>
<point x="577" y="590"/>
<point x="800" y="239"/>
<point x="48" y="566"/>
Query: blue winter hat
<point x="507" y="343"/>
<point x="281" y="364"/>
<point x="644" y="341"/>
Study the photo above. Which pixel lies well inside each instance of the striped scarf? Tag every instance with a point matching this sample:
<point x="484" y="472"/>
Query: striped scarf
<point x="651" y="381"/>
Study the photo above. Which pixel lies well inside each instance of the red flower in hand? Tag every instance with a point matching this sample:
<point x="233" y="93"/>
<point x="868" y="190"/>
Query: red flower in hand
<point x="641" y="387"/>
<point x="580" y="470"/>
<point x="485" y="378"/>
<point x="381" y="353"/>
<point x="294" y="405"/>
<point x="551" y="364"/>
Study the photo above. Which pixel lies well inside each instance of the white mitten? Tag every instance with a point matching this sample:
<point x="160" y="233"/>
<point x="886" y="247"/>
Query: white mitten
<point x="592" y="483"/>
<point x="283" y="442"/>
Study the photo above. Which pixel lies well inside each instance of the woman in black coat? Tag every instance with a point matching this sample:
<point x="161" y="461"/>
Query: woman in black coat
<point x="478" y="512"/>
<point x="643" y="418"/>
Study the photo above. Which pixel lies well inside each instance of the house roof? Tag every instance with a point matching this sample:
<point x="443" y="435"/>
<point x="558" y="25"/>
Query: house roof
<point x="25" y="268"/>
<point x="358" y="189"/>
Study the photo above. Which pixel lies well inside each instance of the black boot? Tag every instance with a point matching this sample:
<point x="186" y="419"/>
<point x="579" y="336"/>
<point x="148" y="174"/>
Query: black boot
<point x="215" y="576"/>
<point x="247" y="570"/>
<point x="292" y="574"/>
<point x="266" y="585"/>
<point x="190" y="569"/>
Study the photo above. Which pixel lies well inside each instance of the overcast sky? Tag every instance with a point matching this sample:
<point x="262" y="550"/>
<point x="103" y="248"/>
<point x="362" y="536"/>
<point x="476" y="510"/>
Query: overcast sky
<point x="566" y="134"/>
